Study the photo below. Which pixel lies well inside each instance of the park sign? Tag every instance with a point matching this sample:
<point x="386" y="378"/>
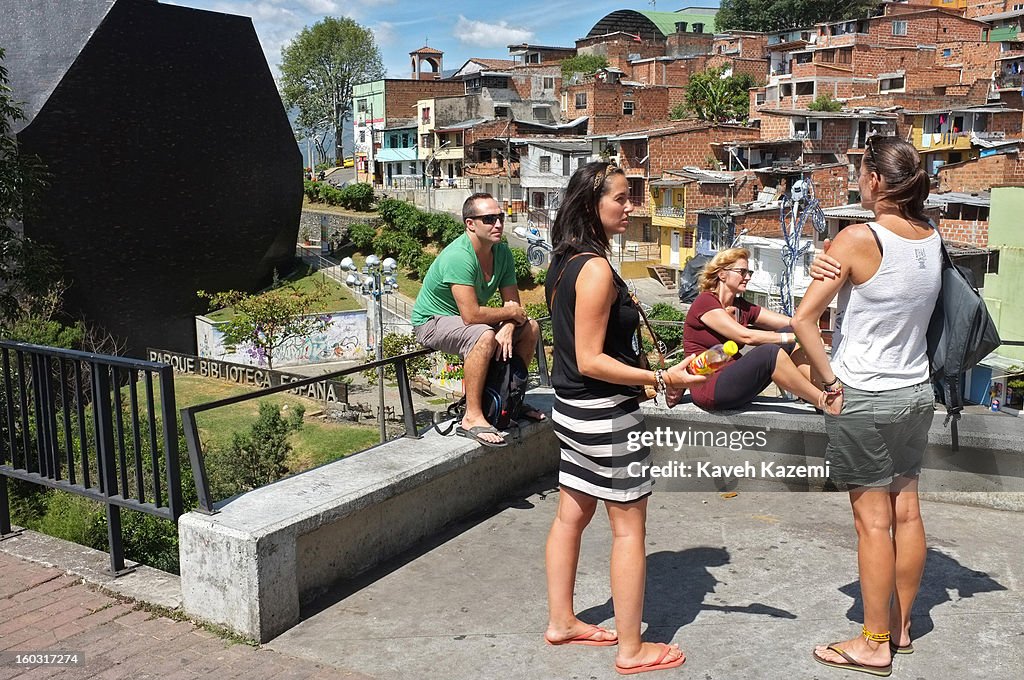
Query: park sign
<point x="332" y="391"/>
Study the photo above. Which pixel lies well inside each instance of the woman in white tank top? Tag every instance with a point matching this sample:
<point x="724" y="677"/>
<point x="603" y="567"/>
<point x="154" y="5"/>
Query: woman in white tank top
<point x="878" y="382"/>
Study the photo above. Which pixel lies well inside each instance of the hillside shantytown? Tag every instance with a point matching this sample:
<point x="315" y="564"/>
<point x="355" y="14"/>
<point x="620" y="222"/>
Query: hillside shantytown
<point x="945" y="75"/>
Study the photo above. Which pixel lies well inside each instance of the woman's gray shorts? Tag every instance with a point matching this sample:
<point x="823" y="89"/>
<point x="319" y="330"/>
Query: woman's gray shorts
<point x="879" y="435"/>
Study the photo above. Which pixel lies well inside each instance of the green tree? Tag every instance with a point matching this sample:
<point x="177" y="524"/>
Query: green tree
<point x="393" y="345"/>
<point x="257" y="457"/>
<point x="583" y="63"/>
<point x="715" y="97"/>
<point x="21" y="186"/>
<point x="678" y="112"/>
<point x="522" y="265"/>
<point x="268" y="320"/>
<point x="777" y="15"/>
<point x="825" y="102"/>
<point x="669" y="334"/>
<point x="319" y="68"/>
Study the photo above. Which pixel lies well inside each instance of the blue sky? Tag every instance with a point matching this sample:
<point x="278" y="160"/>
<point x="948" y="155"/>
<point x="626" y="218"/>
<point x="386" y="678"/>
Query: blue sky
<point x="460" y="28"/>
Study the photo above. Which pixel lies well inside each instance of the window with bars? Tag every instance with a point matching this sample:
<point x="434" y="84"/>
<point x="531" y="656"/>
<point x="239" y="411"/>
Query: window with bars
<point x="545" y="163"/>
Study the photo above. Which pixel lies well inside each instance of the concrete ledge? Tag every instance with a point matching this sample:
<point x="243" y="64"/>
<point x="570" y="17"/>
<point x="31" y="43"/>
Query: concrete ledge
<point x="251" y="566"/>
<point x="987" y="471"/>
<point x="144" y="584"/>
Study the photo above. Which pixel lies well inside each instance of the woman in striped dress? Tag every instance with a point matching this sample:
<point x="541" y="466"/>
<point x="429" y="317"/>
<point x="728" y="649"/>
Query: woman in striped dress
<point x="597" y="417"/>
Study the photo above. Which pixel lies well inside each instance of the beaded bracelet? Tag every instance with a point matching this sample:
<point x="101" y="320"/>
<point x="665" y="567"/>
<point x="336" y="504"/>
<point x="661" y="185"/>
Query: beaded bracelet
<point x="659" y="378"/>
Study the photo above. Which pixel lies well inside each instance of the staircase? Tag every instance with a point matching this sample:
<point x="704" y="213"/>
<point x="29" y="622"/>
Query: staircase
<point x="665" y="275"/>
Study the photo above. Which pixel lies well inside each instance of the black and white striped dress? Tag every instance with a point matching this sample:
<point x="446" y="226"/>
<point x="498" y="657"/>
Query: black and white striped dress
<point x="594" y="420"/>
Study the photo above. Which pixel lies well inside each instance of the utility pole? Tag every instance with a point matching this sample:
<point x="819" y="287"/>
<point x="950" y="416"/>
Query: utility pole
<point x="370" y="160"/>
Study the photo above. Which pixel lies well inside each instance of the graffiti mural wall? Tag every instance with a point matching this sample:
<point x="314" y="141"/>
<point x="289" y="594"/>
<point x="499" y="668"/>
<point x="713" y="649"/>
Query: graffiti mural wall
<point x="344" y="340"/>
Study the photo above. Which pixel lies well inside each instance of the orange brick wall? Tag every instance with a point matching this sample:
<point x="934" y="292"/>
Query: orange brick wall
<point x="764" y="224"/>
<point x="702" y="196"/>
<point x="618" y="48"/>
<point x="400" y="96"/>
<point x="681" y="44"/>
<point x="927" y="27"/>
<point x="604" y="106"/>
<point x="774" y="127"/>
<point x="673" y="73"/>
<point x="691" y="147"/>
<point x="973" y="232"/>
<point x="981" y="8"/>
<point x="529" y="84"/>
<point x="981" y="174"/>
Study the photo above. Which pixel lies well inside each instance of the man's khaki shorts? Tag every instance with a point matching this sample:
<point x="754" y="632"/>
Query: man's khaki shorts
<point x="450" y="334"/>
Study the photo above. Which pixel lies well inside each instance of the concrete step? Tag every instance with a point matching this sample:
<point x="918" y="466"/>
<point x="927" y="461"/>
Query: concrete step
<point x="665" y="276"/>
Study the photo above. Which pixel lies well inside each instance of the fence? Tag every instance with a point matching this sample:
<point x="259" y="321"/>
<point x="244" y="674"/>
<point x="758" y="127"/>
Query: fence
<point x="637" y="252"/>
<point x="191" y="429"/>
<point x="395" y="304"/>
<point x="68" y="424"/>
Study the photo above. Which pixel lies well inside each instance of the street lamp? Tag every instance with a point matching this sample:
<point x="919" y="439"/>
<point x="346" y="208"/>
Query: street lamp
<point x="377" y="280"/>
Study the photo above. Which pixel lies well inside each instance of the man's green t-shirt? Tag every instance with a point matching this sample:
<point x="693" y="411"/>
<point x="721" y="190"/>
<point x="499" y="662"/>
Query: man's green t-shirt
<point x="457" y="264"/>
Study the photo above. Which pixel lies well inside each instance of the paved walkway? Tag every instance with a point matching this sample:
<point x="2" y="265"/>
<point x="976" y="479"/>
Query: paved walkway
<point x="747" y="585"/>
<point x="45" y="610"/>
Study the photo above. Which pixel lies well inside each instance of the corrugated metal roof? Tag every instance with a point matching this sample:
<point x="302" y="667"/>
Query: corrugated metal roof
<point x="564" y="145"/>
<point x="963" y="109"/>
<point x="557" y="126"/>
<point x="1000" y="15"/>
<point x="804" y="113"/>
<point x="982" y="198"/>
<point x="1004" y="365"/>
<point x="461" y="125"/>
<point x="850" y="211"/>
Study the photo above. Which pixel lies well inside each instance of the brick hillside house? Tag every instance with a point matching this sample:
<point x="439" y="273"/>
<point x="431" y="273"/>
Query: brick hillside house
<point x="892" y="53"/>
<point x="958" y="133"/>
<point x="389" y="103"/>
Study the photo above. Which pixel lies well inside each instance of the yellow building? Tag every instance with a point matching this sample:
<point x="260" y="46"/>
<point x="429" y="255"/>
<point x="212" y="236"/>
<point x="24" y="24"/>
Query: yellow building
<point x="945" y="136"/>
<point x="677" y="238"/>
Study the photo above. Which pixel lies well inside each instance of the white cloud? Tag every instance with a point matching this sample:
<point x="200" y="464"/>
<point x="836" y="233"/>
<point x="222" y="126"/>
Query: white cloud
<point x="319" y="6"/>
<point x="483" y="34"/>
<point x="384" y="33"/>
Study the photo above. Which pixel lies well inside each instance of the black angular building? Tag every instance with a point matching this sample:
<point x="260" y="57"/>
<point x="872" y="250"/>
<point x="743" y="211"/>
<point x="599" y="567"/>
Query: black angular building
<point x="172" y="165"/>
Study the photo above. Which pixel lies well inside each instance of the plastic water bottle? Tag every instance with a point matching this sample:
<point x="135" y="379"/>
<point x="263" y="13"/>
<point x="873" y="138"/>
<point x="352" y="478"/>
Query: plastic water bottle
<point x="709" y="361"/>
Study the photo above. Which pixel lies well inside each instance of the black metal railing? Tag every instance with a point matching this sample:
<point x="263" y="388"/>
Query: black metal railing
<point x="191" y="429"/>
<point x="76" y="422"/>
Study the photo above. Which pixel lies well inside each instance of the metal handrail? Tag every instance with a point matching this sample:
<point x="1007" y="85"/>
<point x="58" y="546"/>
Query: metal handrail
<point x="195" y="448"/>
<point x="49" y="395"/>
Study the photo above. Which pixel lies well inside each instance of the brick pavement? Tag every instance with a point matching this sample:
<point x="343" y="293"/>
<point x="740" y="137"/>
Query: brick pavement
<point x="42" y="609"/>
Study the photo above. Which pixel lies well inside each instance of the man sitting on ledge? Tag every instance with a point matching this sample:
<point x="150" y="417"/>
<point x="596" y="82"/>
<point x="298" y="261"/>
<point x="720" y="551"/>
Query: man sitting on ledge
<point x="451" y="315"/>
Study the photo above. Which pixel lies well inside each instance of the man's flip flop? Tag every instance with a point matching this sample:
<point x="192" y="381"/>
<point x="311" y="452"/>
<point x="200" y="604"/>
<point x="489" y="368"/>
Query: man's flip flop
<point x="532" y="414"/>
<point x="586" y="638"/>
<point x="658" y="664"/>
<point x="852" y="664"/>
<point x="475" y="432"/>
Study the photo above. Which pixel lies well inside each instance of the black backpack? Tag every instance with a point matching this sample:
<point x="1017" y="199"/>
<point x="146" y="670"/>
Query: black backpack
<point x="960" y="334"/>
<point x="503" y="395"/>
